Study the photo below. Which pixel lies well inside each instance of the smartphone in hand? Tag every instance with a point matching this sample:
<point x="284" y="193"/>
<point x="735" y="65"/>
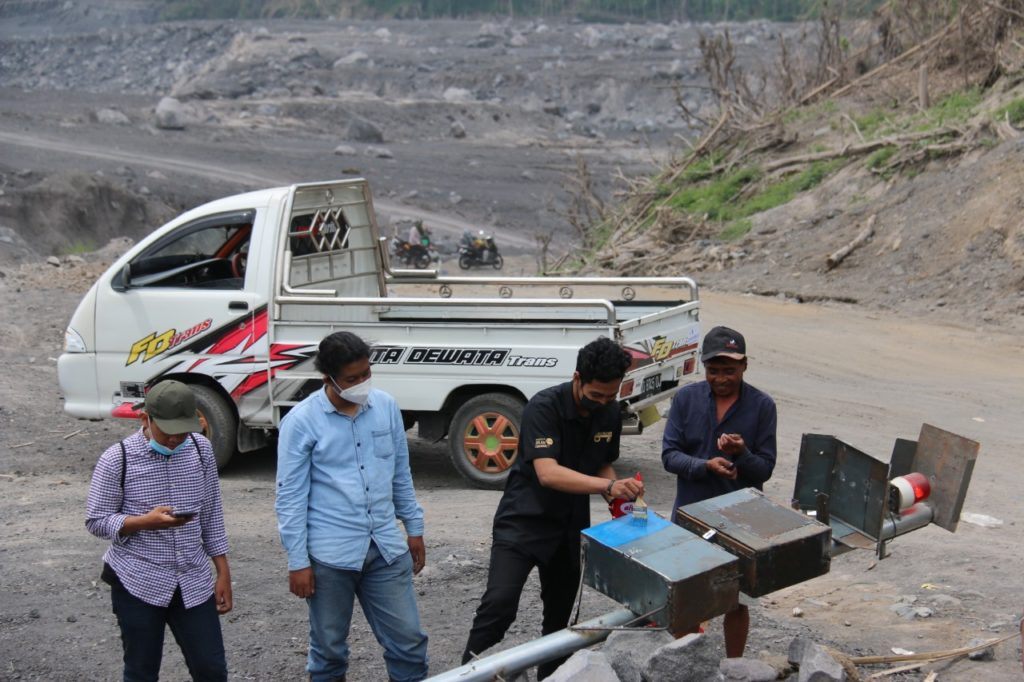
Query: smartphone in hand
<point x="182" y="514"/>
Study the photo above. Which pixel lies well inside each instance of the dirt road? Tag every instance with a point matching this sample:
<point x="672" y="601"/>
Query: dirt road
<point x="836" y="370"/>
<point x="242" y="178"/>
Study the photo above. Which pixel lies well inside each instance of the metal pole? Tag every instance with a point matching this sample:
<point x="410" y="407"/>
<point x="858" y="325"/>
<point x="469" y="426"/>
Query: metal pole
<point x="511" y="661"/>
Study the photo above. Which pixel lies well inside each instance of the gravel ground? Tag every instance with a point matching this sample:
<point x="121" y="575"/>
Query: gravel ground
<point x="859" y="372"/>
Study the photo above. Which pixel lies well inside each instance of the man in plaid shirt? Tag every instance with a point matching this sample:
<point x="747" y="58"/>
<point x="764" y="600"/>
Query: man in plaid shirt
<point x="156" y="496"/>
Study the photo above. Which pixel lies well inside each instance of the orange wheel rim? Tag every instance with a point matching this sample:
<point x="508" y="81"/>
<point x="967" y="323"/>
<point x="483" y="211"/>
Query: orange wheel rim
<point x="490" y="442"/>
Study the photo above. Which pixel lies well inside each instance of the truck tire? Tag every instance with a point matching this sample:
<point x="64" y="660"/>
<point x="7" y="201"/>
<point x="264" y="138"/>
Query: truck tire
<point x="221" y="423"/>
<point x="483" y="438"/>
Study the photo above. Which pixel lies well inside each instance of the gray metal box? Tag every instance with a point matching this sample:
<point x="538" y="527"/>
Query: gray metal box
<point x="658" y="566"/>
<point x="776" y="546"/>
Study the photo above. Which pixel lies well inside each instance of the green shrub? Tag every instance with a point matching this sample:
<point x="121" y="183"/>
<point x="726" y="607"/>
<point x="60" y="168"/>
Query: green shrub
<point x="713" y="198"/>
<point x="881" y="157"/>
<point x="782" y="192"/>
<point x="955" y="108"/>
<point x="736" y="229"/>
<point x="869" y="123"/>
<point x="718" y="199"/>
<point x="1012" y="112"/>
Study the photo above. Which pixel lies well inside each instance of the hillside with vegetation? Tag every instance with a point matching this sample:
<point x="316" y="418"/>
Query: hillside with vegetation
<point x="886" y="169"/>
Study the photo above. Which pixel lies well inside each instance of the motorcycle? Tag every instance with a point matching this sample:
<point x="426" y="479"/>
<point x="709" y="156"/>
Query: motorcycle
<point x="408" y="253"/>
<point x="480" y="251"/>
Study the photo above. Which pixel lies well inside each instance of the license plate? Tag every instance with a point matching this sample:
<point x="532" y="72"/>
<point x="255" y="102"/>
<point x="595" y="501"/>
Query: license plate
<point x="651" y="384"/>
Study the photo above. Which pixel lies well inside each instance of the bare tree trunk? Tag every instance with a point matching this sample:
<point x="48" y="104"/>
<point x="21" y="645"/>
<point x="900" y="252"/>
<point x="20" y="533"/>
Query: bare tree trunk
<point x="922" y="87"/>
<point x="837" y="257"/>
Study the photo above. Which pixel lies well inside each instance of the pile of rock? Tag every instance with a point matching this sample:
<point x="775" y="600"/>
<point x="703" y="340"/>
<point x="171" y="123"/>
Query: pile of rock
<point x="654" y="656"/>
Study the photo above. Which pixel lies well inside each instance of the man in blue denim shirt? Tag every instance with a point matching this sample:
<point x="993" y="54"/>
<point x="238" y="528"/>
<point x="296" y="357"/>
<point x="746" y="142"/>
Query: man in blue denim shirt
<point x="342" y="479"/>
<point x="720" y="437"/>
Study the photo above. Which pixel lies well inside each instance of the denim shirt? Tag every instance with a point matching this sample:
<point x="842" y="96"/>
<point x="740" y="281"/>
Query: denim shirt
<point x="343" y="481"/>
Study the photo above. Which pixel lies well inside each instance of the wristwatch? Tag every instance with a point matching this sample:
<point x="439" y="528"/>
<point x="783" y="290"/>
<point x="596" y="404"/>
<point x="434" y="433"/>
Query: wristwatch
<point x="608" y="490"/>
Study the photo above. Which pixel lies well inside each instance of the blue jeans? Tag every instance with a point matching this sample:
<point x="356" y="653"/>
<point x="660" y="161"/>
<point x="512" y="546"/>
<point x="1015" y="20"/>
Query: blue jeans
<point x="197" y="631"/>
<point x="386" y="596"/>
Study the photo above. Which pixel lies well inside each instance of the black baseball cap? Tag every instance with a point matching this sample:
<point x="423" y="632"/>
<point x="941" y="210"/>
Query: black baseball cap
<point x="722" y="342"/>
<point x="172" y="405"/>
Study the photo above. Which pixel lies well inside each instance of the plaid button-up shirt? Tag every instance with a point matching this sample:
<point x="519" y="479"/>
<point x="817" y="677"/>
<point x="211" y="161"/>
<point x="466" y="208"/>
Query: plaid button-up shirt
<point x="152" y="564"/>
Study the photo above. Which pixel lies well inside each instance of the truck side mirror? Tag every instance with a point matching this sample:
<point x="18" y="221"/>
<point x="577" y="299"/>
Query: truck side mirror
<point x="123" y="283"/>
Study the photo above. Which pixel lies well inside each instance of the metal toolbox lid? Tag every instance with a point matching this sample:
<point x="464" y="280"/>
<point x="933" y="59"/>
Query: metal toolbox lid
<point x="754" y="521"/>
<point x="660" y="546"/>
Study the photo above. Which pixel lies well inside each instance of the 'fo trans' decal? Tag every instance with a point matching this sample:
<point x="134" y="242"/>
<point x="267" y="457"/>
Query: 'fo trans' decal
<point x="473" y="357"/>
<point x="153" y="345"/>
<point x="659" y="348"/>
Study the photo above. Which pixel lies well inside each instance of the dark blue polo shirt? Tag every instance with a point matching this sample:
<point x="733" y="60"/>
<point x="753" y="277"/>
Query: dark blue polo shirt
<point x="692" y="432"/>
<point x="538" y="519"/>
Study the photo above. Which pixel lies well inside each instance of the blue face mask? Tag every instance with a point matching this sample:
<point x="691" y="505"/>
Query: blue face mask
<point x="164" y="450"/>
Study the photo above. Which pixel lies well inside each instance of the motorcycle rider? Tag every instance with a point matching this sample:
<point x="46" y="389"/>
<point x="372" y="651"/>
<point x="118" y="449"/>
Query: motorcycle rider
<point x="467" y="242"/>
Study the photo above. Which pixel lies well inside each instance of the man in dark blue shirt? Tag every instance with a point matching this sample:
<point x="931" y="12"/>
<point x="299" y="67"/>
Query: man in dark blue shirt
<point x="720" y="437"/>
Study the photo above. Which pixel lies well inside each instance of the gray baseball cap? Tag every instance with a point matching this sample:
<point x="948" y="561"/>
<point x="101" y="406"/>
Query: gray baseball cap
<point x="172" y="405"/>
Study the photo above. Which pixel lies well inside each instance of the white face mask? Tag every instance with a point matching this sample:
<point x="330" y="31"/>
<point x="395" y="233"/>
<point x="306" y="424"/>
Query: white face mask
<point x="357" y="394"/>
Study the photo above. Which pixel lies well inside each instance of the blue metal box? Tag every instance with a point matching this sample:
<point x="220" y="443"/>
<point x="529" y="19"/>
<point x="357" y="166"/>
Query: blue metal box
<point x="654" y="565"/>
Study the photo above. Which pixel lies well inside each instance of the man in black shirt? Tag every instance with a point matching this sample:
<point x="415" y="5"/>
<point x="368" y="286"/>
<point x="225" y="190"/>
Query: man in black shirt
<point x="568" y="439"/>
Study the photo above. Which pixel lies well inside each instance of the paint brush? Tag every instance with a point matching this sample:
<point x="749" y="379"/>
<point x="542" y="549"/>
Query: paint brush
<point x="639" y="506"/>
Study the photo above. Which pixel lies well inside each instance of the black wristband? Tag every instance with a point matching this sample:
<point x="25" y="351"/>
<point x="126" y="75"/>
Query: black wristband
<point x="608" y="490"/>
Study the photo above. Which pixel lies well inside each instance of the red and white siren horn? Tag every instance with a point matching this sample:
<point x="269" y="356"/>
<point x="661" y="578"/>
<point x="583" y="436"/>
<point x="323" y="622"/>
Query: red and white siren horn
<point x="911" y="489"/>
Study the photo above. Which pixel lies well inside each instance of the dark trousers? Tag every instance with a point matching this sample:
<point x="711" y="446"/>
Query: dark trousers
<point x="197" y="631"/>
<point x="510" y="566"/>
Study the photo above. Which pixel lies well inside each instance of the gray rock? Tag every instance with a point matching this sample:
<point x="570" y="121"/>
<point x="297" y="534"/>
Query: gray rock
<point x="362" y="130"/>
<point x="690" y="659"/>
<point x="746" y="670"/>
<point x="818" y="665"/>
<point x="112" y="117"/>
<point x="344" y="150"/>
<point x="357" y="57"/>
<point x="457" y="130"/>
<point x="945" y="600"/>
<point x="910" y="612"/>
<point x="379" y="152"/>
<point x="454" y="94"/>
<point x="797" y="648"/>
<point x="170" y="114"/>
<point x="489" y="40"/>
<point x="54" y="261"/>
<point x="986" y="654"/>
<point x="585" y="666"/>
<point x="628" y="651"/>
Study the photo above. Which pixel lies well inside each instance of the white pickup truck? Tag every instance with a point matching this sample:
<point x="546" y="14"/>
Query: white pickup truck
<point x="233" y="297"/>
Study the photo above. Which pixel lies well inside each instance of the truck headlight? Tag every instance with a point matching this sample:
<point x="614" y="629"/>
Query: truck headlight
<point x="73" y="341"/>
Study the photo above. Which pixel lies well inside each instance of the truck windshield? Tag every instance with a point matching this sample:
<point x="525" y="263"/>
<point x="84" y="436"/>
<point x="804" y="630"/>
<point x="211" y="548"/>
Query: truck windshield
<point x="209" y="255"/>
